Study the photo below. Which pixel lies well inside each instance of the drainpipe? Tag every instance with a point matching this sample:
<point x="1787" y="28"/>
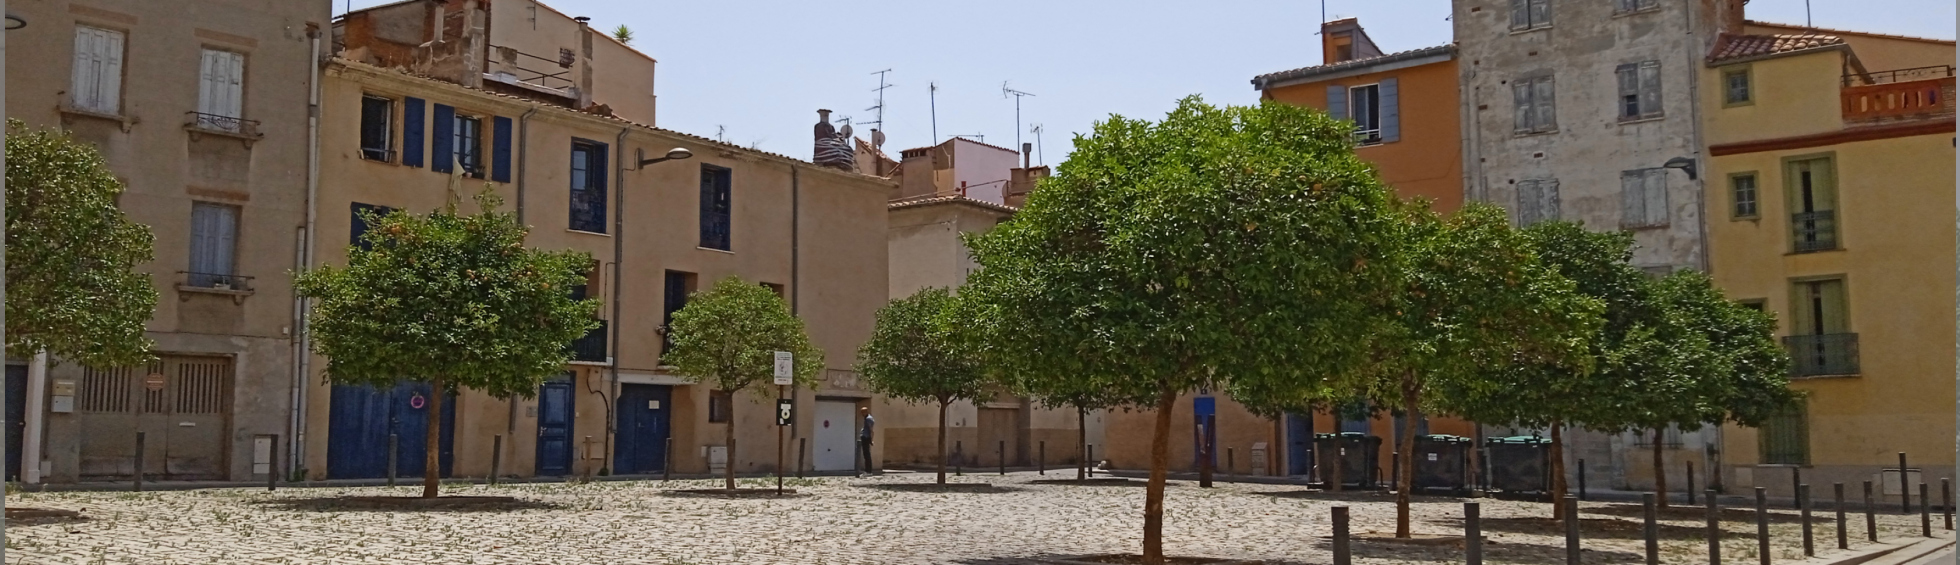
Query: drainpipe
<point x="619" y="254"/>
<point x="1712" y="453"/>
<point x="30" y="445"/>
<point x="523" y="142"/>
<point x="303" y="348"/>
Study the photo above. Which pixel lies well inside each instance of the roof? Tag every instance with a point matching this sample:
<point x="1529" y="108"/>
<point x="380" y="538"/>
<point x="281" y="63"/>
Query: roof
<point x="1830" y="31"/>
<point x="1731" y="47"/>
<point x="957" y="138"/>
<point x="953" y="199"/>
<point x="1265" y="81"/>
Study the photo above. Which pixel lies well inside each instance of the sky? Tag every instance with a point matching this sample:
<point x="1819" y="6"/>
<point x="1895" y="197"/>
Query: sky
<point x="754" y="72"/>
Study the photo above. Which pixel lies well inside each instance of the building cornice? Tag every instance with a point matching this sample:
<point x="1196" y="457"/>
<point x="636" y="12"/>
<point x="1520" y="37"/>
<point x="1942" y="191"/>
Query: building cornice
<point x="1848" y="135"/>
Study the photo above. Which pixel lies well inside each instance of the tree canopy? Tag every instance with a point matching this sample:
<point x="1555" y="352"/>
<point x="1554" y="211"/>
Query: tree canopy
<point x="917" y="355"/>
<point x="72" y="285"/>
<point x="1218" y="246"/>
<point x="727" y="337"/>
<point x="450" y="298"/>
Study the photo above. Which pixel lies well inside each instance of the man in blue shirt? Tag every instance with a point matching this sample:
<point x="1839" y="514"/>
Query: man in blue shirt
<point x="864" y="439"/>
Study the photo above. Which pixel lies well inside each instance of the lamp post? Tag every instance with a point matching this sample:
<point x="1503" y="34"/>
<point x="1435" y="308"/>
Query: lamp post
<point x="13" y="22"/>
<point x="675" y="154"/>
<point x="1686" y="164"/>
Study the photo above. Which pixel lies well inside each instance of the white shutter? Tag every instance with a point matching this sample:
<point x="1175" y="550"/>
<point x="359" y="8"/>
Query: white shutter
<point x="1521" y="99"/>
<point x="109" y="85"/>
<point x="1631" y="200"/>
<point x="222" y="77"/>
<point x="1548" y="200"/>
<point x="1650" y="88"/>
<point x="1541" y="13"/>
<point x="1543" y="95"/>
<point x="96" y="84"/>
<point x="85" y="85"/>
<point x="1655" y="193"/>
<point x="1520" y="14"/>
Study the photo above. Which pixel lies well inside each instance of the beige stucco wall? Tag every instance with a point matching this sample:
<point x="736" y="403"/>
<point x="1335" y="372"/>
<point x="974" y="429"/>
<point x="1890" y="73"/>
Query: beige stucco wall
<point x="622" y="77"/>
<point x="1793" y="95"/>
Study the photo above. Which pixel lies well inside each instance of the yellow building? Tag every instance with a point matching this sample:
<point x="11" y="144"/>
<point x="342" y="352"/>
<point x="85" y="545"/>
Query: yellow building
<point x="1834" y="175"/>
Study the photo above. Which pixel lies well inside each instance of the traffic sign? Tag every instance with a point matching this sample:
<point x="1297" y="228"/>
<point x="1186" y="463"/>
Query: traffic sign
<point x="785" y="369"/>
<point x="785" y="411"/>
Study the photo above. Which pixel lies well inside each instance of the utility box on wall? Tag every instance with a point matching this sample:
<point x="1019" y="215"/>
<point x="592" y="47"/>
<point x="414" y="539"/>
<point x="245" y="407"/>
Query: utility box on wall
<point x="62" y="397"/>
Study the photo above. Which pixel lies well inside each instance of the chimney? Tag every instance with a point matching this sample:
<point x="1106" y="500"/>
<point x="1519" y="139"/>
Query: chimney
<point x="1026" y="149"/>
<point x="584" y="64"/>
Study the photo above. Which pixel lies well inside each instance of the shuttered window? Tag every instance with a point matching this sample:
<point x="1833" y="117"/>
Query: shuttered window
<point x="1640" y="90"/>
<point x="1537" y="201"/>
<point x="500" y="150"/>
<point x="1785" y="438"/>
<point x="359" y="229"/>
<point x="214" y="244"/>
<point x="1534" y="100"/>
<point x="1743" y="195"/>
<point x="97" y="81"/>
<point x="221" y="91"/>
<point x="1818" y="308"/>
<point x="716" y="207"/>
<point x="1375" y="110"/>
<point x="469" y="145"/>
<point x="1811" y="194"/>
<point x="1630" y="6"/>
<point x="1530" y="14"/>
<point x="1364" y="107"/>
<point x="674" y="298"/>
<point x="588" y="190"/>
<point x="1643" y="198"/>
<point x="377" y="128"/>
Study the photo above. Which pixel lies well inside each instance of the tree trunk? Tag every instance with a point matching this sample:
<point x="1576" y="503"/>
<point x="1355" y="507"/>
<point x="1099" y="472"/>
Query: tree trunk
<point x="1153" y="492"/>
<point x="432" y="454"/>
<point x="728" y="465"/>
<point x="1081" y="444"/>
<point x="1558" y="472"/>
<point x="942" y="441"/>
<point x="1660" y="471"/>
<point x="1405" y="471"/>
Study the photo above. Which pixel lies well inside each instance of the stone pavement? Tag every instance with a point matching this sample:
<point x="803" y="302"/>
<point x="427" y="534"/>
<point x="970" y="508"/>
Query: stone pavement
<point x="881" y="520"/>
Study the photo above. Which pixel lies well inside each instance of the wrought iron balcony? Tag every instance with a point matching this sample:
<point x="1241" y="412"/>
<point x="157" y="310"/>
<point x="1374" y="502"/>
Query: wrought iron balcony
<point x="199" y="122"/>
<point x="592" y="347"/>
<point x="1814" y="231"/>
<point x="216" y="281"/>
<point x="1365" y="137"/>
<point x="1822" y="355"/>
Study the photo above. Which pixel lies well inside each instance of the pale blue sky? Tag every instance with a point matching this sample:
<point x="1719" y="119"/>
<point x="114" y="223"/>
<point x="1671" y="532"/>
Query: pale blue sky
<point x="761" y="69"/>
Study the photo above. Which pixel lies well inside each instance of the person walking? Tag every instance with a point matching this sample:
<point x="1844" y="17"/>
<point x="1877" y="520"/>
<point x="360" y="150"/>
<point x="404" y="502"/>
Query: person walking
<point x="864" y="440"/>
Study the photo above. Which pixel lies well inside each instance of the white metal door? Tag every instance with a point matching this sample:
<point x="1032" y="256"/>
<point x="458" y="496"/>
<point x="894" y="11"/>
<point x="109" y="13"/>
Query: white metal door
<point x="836" y="437"/>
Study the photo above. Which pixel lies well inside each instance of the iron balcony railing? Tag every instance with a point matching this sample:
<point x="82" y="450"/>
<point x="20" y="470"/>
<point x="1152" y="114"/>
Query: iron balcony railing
<point x="1821" y="355"/>
<point x="1899" y="75"/>
<point x="1368" y="137"/>
<point x="1814" y="231"/>
<point x="216" y="281"/>
<point x="225" y="124"/>
<point x="592" y="347"/>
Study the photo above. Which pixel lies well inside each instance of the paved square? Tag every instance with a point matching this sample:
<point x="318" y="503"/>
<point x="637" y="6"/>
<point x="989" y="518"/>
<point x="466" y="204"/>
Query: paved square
<point x="883" y="520"/>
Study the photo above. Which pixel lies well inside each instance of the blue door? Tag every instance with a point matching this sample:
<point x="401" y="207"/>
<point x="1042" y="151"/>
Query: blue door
<point x="555" y="427"/>
<point x="1299" y="444"/>
<point x="361" y="418"/>
<point x="640" y="445"/>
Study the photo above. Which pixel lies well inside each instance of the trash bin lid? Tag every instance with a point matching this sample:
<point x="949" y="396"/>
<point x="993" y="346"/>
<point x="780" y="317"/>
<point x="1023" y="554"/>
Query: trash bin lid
<point x="1443" y="438"/>
<point x="1526" y="440"/>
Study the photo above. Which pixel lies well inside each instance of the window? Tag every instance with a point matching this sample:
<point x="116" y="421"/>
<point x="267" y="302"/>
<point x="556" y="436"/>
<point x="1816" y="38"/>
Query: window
<point x="1756" y="304"/>
<point x="1530" y="14"/>
<point x="1811" y="189"/>
<point x="715" y="207"/>
<point x="97" y="84"/>
<point x="214" y="244"/>
<point x="1535" y="100"/>
<point x="221" y="91"/>
<point x="678" y="286"/>
<point x="1537" y="201"/>
<point x="1640" y="90"/>
<point x="1785" y="438"/>
<point x="360" y="227"/>
<point x="1736" y="87"/>
<point x="1643" y="198"/>
<point x="469" y="145"/>
<point x="776" y="288"/>
<point x="377" y="129"/>
<point x="1670" y="438"/>
<point x="588" y="196"/>
<point x="1630" y="6"/>
<point x="1374" y="109"/>
<point x="1364" y="107"/>
<point x="1820" y="340"/>
<point x="720" y="405"/>
<point x="1742" y="195"/>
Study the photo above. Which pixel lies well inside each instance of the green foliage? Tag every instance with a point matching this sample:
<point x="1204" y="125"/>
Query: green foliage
<point x="457" y="298"/>
<point x="623" y="34"/>
<point x="728" y="336"/>
<point x="916" y="354"/>
<point x="1727" y="354"/>
<point x="72" y="285"/>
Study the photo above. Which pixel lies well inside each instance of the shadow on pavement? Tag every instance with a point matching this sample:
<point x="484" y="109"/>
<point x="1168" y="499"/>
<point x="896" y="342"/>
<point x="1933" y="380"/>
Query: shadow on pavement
<point x="1728" y="514"/>
<point x="977" y="488"/>
<point x="1591" y="528"/>
<point x="455" y="504"/>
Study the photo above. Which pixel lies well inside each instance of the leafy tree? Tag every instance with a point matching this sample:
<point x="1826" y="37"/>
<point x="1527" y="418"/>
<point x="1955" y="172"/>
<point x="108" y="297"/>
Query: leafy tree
<point x="1472" y="295"/>
<point x="455" y="299"/>
<point x="727" y="336"/>
<point x="72" y="285"/>
<point x="916" y="355"/>
<point x="1219" y="246"/>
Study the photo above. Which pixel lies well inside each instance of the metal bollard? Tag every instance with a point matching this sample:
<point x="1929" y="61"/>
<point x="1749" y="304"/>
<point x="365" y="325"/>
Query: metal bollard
<point x="1762" y="525"/>
<point x="1691" y="482"/>
<point x="1796" y="484"/>
<point x="1905" y="490"/>
<point x="802" y="449"/>
<point x="272" y="467"/>
<point x="1651" y="529"/>
<point x="1473" y="534"/>
<point x="1946" y="502"/>
<point x="1582" y="479"/>
<point x="139" y="461"/>
<point x="1803" y="508"/>
<point x="392" y="443"/>
<point x="1001" y="455"/>
<point x="496" y="457"/>
<point x="1925" y="512"/>
<point x="1871" y="522"/>
<point x="1091" y="463"/>
<point x="667" y="461"/>
<point x="1714" y="529"/>
<point x="1041" y="459"/>
<point x="1342" y="556"/>
<point x="1571" y="530"/>
<point x="1837" y="498"/>
<point x="1230" y="463"/>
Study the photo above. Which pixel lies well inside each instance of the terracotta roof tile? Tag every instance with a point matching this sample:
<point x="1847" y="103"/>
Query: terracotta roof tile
<point x="1262" y="81"/>
<point x="930" y="200"/>
<point x="1848" y="32"/>
<point x="1731" y="47"/>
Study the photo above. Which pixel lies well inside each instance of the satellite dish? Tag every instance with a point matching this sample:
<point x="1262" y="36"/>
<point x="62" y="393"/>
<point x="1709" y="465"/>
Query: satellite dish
<point x="877" y="138"/>
<point x="846" y="131"/>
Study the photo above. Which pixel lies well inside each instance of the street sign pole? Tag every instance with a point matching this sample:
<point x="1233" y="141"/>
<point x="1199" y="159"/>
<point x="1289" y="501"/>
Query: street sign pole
<point x="781" y="391"/>
<point x="785" y="376"/>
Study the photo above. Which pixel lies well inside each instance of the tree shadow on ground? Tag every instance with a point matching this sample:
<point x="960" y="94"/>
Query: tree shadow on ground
<point x="27" y="516"/>
<point x="1494" y="552"/>
<point x="1357" y="496"/>
<point x="448" y="504"/>
<point x="1043" y="559"/>
<point x="965" y="488"/>
<point x="1589" y="528"/>
<point x="1099" y="482"/>
<point x="736" y="494"/>
<point x="1700" y="514"/>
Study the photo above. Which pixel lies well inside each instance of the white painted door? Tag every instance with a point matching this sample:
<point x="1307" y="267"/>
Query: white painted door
<point x="836" y="437"/>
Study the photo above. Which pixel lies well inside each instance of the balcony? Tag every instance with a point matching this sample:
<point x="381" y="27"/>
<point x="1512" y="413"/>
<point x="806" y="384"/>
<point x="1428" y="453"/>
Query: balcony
<point x="592" y="347"/>
<point x="1822" y="355"/>
<point x="199" y="123"/>
<point x="1814" y="231"/>
<point x="1366" y="137"/>
<point x="1903" y="94"/>
<point x="236" y="286"/>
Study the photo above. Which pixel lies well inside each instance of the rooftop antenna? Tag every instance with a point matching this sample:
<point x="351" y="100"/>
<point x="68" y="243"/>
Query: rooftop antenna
<point x="979" y="136"/>
<point x="1323" y="14"/>
<point x="721" y="134"/>
<point x="878" y="126"/>
<point x="1018" y="95"/>
<point x="1806" y="13"/>
<point x="933" y="91"/>
<point x="1037" y="144"/>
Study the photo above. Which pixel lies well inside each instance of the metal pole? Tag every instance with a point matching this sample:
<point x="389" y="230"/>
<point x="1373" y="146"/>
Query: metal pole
<point x="1905" y="489"/>
<point x="1230" y="462"/>
<point x="1582" y="479"/>
<point x="1691" y="482"/>
<point x="392" y="443"/>
<point x="780" y="442"/>
<point x="1925" y="512"/>
<point x="667" y="461"/>
<point x="139" y="461"/>
<point x="1762" y="525"/>
<point x="1714" y="529"/>
<point x="1871" y="522"/>
<point x="1473" y="534"/>
<point x="496" y="457"/>
<point x="1000" y="455"/>
<point x="3" y="264"/>
<point x="272" y="467"/>
<point x="1796" y="484"/>
<point x="1571" y="530"/>
<point x="1837" y="498"/>
<point x="1091" y="463"/>
<point x="802" y="450"/>
<point x="1946" y="502"/>
<point x="1803" y="508"/>
<point x="1651" y="529"/>
<point x="1041" y="459"/>
<point x="1342" y="556"/>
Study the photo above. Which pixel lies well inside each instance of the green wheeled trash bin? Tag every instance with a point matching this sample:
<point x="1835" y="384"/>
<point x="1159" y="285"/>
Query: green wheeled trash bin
<point x="1357" y="454"/>
<point x="1520" y="464"/>
<point x="1442" y="463"/>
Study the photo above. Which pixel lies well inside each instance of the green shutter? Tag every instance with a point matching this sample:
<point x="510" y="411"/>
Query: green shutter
<point x="1785" y="439"/>
<point x="1837" y="314"/>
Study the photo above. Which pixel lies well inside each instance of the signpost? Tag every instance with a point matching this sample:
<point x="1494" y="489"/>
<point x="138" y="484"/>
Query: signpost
<point x="785" y="376"/>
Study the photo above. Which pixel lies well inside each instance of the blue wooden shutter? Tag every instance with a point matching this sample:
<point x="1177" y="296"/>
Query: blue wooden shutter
<point x="443" y="154"/>
<point x="360" y="225"/>
<point x="597" y="190"/>
<point x="1337" y="101"/>
<point x="412" y="124"/>
<point x="500" y="150"/>
<point x="1391" y="111"/>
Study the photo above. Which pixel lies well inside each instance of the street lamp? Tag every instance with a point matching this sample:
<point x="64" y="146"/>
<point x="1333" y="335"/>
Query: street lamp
<point x="675" y="154"/>
<point x="1687" y="165"/>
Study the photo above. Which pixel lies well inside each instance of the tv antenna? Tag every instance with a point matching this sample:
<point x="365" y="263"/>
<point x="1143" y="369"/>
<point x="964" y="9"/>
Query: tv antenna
<point x="721" y="134"/>
<point x="978" y="136"/>
<point x="878" y="125"/>
<point x="932" y="90"/>
<point x="1037" y="144"/>
<point x="1018" y="95"/>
